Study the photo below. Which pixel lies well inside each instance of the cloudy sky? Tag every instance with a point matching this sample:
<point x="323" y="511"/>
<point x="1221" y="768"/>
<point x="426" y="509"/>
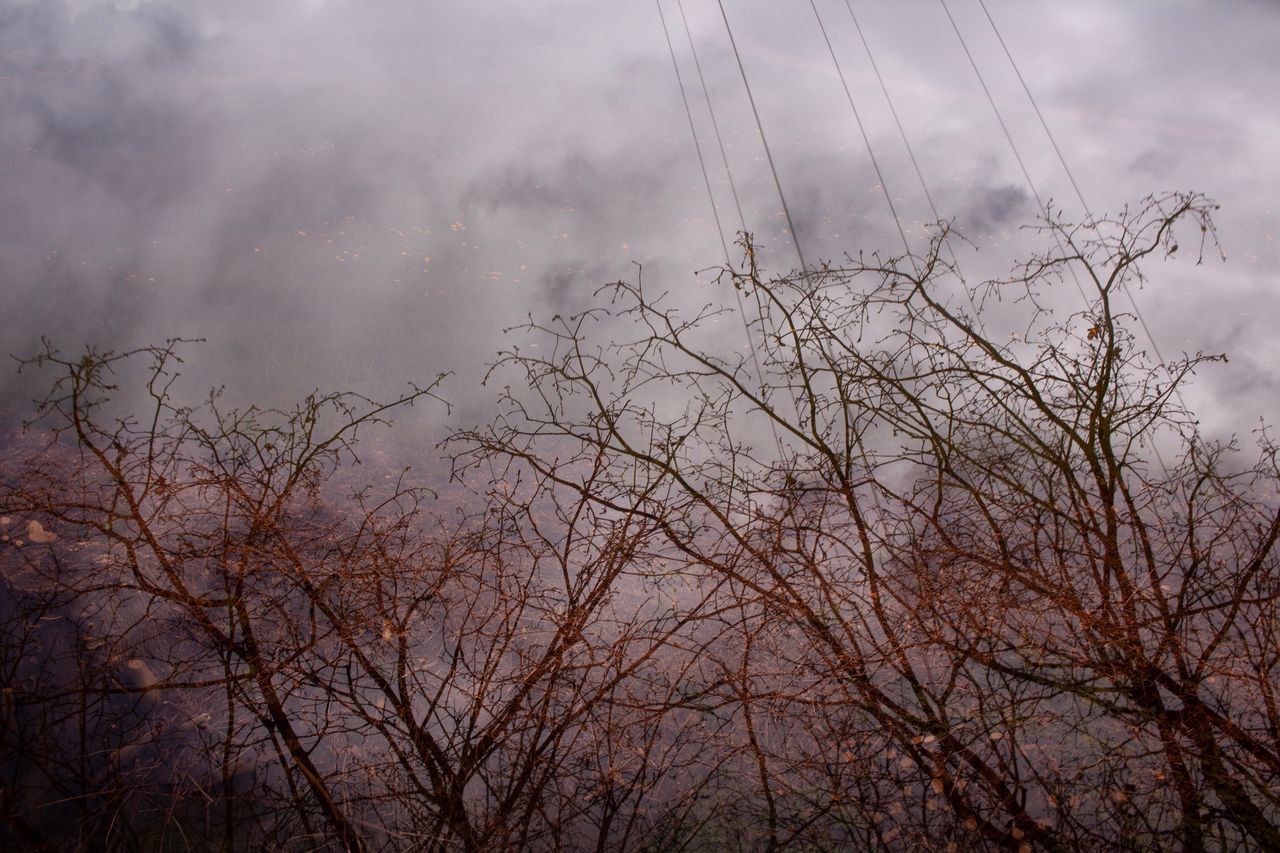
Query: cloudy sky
<point x="337" y="193"/>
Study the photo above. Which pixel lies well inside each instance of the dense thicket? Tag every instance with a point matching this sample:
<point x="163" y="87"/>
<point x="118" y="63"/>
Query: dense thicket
<point x="893" y="577"/>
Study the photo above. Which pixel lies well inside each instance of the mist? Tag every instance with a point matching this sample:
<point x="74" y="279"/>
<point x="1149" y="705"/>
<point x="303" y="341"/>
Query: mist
<point x="340" y="195"/>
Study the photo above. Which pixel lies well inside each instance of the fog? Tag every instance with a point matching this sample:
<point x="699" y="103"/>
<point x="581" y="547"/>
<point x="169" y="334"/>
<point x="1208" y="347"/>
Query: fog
<point x="998" y="624"/>
<point x="354" y="195"/>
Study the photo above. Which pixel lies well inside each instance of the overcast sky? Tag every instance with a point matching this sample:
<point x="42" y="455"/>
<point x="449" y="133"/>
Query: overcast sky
<point x="364" y="193"/>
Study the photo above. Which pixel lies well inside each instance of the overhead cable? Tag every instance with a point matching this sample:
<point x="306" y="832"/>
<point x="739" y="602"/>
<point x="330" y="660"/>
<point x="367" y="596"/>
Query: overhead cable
<point x="702" y="163"/>
<point x="786" y="210"/>
<point x="1013" y="146"/>
<point x="715" y="125"/>
<point x="1031" y="184"/>
<point x="1067" y="169"/>
<point x="866" y="140"/>
<point x="715" y="213"/>
<point x="911" y="155"/>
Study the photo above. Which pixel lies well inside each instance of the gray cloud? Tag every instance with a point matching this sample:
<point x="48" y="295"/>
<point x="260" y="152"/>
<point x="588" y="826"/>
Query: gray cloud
<point x="995" y="208"/>
<point x="343" y="194"/>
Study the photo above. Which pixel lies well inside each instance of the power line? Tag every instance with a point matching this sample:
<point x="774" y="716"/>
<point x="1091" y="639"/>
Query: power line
<point x="702" y="163"/>
<point x="1031" y="184"/>
<point x="1067" y="169"/>
<point x="911" y="155"/>
<point x="715" y="125"/>
<point x="786" y="210"/>
<point x="1036" y="107"/>
<point x="1013" y="146"/>
<point x="751" y="344"/>
<point x="862" y="130"/>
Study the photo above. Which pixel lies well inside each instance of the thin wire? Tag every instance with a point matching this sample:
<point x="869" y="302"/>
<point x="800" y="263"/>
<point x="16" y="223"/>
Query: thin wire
<point x="1012" y="145"/>
<point x="892" y="111"/>
<point x="1036" y="107"/>
<point x="1031" y="184"/>
<point x="866" y="140"/>
<point x="751" y="344"/>
<point x="884" y="188"/>
<point x="995" y="109"/>
<point x="786" y="210"/>
<point x="702" y="163"/>
<point x="1065" y="168"/>
<point x="715" y="126"/>
<point x="911" y="155"/>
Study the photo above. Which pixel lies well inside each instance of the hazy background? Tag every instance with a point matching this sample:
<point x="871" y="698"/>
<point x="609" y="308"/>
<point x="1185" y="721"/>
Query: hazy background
<point x="356" y="194"/>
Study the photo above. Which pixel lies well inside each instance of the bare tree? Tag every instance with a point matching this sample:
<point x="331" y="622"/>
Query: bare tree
<point x="975" y="588"/>
<point x="256" y="659"/>
<point x="974" y="605"/>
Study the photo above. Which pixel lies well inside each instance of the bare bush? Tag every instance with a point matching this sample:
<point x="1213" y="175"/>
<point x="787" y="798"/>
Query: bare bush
<point x="238" y="656"/>
<point x="917" y="582"/>
<point x="976" y="606"/>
